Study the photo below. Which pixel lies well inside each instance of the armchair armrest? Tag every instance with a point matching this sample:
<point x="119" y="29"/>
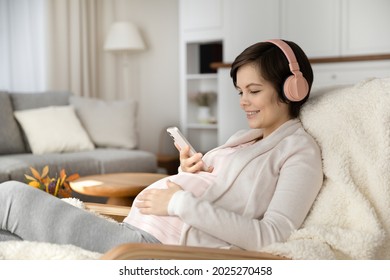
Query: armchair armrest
<point x="116" y="212"/>
<point x="134" y="251"/>
<point x="160" y="251"/>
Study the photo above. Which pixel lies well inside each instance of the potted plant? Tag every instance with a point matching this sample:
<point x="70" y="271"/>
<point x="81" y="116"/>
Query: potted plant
<point x="204" y="100"/>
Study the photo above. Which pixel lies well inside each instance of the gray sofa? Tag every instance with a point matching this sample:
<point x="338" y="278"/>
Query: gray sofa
<point x="16" y="156"/>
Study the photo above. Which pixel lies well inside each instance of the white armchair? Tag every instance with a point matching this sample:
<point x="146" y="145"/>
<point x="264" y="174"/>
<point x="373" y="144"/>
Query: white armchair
<point x="350" y="218"/>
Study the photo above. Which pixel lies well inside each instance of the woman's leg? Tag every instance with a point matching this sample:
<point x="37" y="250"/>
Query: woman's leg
<point x="30" y="214"/>
<point x="7" y="236"/>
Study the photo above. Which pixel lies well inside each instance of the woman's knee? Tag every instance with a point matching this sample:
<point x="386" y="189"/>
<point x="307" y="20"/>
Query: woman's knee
<point x="11" y="187"/>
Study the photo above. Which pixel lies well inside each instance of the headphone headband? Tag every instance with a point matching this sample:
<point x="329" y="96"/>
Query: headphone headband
<point x="295" y="87"/>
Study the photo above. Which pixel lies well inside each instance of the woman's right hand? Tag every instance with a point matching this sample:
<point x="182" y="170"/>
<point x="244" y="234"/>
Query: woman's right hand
<point x="191" y="164"/>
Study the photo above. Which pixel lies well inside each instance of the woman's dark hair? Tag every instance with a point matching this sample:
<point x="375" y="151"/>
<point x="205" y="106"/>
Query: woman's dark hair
<point x="273" y="66"/>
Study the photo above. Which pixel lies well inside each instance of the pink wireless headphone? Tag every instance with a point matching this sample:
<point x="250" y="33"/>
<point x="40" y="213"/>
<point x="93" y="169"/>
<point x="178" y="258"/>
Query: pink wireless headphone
<point x="295" y="87"/>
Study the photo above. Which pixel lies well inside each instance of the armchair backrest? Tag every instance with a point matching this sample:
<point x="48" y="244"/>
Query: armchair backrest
<point x="351" y="217"/>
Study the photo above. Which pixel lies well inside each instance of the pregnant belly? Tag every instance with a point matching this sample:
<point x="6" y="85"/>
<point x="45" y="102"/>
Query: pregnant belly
<point x="167" y="229"/>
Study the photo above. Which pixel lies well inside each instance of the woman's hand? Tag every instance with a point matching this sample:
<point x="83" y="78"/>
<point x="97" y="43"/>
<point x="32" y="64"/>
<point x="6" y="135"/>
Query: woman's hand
<point x="155" y="201"/>
<point x="191" y="164"/>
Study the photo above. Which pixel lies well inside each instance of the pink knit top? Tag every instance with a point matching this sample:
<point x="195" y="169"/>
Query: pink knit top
<point x="167" y="229"/>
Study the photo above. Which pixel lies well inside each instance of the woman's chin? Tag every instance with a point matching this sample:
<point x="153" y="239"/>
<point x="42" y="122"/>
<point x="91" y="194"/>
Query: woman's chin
<point x="253" y="125"/>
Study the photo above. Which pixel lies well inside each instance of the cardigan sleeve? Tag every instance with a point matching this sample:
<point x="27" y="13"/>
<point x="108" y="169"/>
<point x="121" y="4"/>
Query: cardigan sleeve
<point x="299" y="181"/>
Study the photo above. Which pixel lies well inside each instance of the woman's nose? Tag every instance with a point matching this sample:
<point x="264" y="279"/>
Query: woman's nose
<point x="244" y="100"/>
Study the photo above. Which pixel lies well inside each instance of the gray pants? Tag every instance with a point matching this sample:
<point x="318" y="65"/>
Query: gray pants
<point x="30" y="214"/>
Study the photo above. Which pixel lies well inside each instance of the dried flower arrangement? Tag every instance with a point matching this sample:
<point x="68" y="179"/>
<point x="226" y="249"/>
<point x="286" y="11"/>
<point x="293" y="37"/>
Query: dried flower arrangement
<point x="57" y="186"/>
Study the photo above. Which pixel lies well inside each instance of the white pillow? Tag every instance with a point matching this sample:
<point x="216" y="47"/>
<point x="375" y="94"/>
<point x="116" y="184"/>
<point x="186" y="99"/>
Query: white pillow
<point x="53" y="129"/>
<point x="108" y="123"/>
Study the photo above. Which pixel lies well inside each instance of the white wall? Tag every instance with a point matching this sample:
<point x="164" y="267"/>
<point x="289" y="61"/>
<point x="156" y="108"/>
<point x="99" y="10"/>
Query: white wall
<point x="154" y="71"/>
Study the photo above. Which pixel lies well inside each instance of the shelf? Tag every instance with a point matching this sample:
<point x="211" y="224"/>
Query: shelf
<point x="321" y="60"/>
<point x="201" y="76"/>
<point x="202" y="126"/>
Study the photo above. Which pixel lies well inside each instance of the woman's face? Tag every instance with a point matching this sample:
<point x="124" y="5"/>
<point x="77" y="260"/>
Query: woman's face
<point x="259" y="100"/>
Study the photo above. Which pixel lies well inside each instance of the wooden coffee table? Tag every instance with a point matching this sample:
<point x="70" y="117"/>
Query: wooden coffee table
<point x="120" y="188"/>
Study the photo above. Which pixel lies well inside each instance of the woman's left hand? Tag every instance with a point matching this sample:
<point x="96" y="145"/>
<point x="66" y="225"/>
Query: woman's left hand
<point x="155" y="201"/>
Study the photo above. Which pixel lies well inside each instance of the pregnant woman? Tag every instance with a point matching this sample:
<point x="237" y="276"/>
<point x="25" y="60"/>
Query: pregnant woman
<point x="258" y="187"/>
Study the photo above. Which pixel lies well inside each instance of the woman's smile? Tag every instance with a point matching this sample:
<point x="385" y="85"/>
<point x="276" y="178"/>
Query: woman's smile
<point x="252" y="114"/>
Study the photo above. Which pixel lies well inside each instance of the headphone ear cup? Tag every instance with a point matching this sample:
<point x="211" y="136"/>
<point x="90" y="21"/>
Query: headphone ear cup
<point x="296" y="87"/>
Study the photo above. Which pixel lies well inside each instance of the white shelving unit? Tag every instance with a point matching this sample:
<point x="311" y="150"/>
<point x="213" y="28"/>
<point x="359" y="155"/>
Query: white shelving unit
<point x="203" y="136"/>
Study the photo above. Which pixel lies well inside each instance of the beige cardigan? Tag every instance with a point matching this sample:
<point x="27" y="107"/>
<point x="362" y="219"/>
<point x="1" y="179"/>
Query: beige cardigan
<point x="260" y="197"/>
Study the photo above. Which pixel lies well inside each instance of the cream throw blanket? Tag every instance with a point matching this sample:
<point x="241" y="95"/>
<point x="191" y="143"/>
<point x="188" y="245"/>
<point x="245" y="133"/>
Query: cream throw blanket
<point x="351" y="216"/>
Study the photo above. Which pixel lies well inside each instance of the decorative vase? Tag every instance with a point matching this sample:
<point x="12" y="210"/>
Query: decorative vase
<point x="204" y="114"/>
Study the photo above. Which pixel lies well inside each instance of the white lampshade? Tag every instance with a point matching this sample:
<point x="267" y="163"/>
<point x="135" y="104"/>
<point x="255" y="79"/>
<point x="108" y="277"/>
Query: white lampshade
<point x="123" y="36"/>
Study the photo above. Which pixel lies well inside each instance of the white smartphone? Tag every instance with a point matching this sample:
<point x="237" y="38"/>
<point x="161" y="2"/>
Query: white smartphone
<point x="179" y="139"/>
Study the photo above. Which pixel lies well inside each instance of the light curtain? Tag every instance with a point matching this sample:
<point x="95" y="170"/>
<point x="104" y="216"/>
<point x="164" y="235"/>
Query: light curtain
<point x="22" y="45"/>
<point x="58" y="45"/>
<point x="74" y="42"/>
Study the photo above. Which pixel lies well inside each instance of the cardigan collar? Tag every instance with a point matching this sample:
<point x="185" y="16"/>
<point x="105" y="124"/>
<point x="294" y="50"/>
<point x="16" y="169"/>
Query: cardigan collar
<point x="249" y="153"/>
<point x="245" y="136"/>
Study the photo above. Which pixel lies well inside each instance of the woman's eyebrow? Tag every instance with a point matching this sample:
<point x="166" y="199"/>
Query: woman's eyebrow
<point x="249" y="85"/>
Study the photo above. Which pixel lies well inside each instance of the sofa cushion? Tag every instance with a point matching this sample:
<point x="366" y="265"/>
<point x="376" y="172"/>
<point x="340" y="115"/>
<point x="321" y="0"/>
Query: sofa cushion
<point x="122" y="160"/>
<point x="15" y="166"/>
<point x="4" y="176"/>
<point x="11" y="140"/>
<point x="98" y="161"/>
<point x="108" y="123"/>
<point x="53" y="129"/>
<point x="24" y="101"/>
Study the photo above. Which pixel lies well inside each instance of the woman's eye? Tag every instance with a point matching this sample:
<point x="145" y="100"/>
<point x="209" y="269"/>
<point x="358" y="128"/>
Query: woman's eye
<point x="254" y="91"/>
<point x="240" y="93"/>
